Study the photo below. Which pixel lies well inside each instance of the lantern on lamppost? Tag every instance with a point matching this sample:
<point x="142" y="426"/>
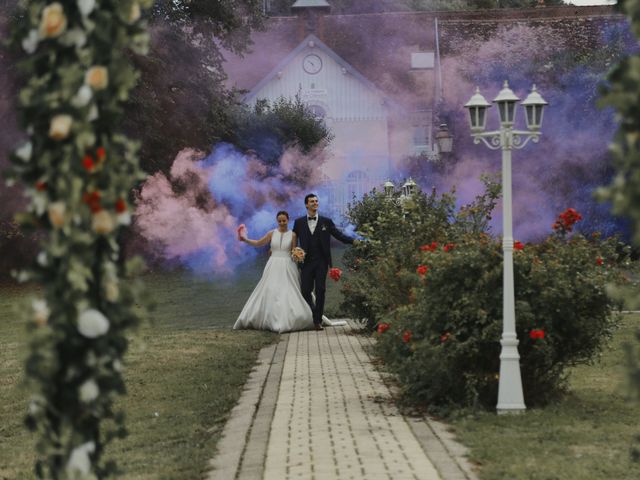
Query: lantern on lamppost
<point x="444" y="139"/>
<point x="388" y="188"/>
<point x="409" y="188"/>
<point x="510" y="396"/>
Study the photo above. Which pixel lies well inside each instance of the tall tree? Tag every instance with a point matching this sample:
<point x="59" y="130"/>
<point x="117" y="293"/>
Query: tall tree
<point x="181" y="99"/>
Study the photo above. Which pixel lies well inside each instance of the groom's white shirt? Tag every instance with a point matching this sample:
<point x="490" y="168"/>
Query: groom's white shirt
<point x="312" y="223"/>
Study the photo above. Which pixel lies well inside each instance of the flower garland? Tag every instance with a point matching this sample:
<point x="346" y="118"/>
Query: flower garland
<point x="77" y="172"/>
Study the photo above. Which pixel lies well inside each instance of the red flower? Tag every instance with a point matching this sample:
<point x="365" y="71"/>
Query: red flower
<point x="449" y="246"/>
<point x="406" y="336"/>
<point x="566" y="220"/>
<point x="444" y="337"/>
<point x="383" y="327"/>
<point x="93" y="200"/>
<point x="536" y="334"/>
<point x="422" y="270"/>
<point x="334" y="274"/>
<point x="41" y="186"/>
<point x="599" y="261"/>
<point x="121" y="206"/>
<point x="518" y="245"/>
<point x="101" y="153"/>
<point x="429" y="248"/>
<point x="88" y="163"/>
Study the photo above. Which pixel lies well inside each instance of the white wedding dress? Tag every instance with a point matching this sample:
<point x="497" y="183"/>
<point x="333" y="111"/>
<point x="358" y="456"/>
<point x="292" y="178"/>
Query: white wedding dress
<point x="276" y="303"/>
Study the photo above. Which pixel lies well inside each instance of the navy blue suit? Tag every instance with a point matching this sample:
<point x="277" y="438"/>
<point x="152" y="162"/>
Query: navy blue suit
<point x="317" y="259"/>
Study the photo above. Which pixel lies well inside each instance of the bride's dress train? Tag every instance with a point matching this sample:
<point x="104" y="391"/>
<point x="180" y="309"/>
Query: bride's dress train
<point x="276" y="303"/>
<point x="332" y="323"/>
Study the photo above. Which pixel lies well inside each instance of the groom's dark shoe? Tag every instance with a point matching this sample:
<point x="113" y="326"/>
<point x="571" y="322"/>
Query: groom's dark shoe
<point x="317" y="326"/>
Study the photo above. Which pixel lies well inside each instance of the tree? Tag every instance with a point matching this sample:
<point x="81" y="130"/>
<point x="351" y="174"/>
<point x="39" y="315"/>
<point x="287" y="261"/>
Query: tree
<point x="181" y="100"/>
<point x="268" y="129"/>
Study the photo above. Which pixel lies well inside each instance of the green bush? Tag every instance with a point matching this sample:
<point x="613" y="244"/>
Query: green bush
<point x="438" y="307"/>
<point x="383" y="267"/>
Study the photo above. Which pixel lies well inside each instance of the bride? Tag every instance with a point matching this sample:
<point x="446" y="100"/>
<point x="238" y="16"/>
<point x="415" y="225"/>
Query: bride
<point x="276" y="303"/>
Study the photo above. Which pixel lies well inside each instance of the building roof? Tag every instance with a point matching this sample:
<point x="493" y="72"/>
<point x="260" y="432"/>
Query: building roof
<point x="379" y="45"/>
<point x="320" y="45"/>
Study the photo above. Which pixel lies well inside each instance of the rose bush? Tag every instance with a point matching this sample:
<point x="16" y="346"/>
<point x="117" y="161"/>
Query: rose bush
<point x="443" y="323"/>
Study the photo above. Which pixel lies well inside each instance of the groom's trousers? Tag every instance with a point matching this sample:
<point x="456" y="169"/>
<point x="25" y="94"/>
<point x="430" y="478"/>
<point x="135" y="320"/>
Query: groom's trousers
<point x="314" y="274"/>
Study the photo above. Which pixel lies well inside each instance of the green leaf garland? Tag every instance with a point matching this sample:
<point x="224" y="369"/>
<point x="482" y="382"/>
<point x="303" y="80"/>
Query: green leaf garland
<point x="78" y="173"/>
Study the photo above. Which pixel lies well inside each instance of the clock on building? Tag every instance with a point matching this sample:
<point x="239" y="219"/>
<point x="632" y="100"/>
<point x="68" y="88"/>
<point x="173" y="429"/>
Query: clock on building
<point x="312" y="64"/>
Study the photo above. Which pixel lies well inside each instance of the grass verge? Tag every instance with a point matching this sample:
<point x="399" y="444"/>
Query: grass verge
<point x="587" y="435"/>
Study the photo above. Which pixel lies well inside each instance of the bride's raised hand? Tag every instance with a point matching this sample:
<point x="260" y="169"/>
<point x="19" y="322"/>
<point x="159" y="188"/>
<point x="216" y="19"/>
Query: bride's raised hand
<point x="242" y="232"/>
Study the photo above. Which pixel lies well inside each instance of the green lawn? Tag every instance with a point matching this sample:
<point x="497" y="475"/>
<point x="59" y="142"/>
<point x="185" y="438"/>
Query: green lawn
<point x="586" y="436"/>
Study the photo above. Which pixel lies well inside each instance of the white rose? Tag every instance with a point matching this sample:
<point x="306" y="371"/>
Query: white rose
<point x="82" y="97"/>
<point x="97" y="77"/>
<point x="30" y="42"/>
<point x="75" y="37"/>
<point x="92" y="323"/>
<point x="79" y="462"/>
<point x="93" y="113"/>
<point x="103" y="222"/>
<point x="57" y="212"/>
<point x="60" y="127"/>
<point x="25" y="151"/>
<point x="124" y="218"/>
<point x="41" y="311"/>
<point x="42" y="259"/>
<point x="134" y="13"/>
<point x="89" y="391"/>
<point x="86" y="7"/>
<point x="53" y="21"/>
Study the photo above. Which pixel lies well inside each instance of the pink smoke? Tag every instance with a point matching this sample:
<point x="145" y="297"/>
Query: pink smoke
<point x="191" y="215"/>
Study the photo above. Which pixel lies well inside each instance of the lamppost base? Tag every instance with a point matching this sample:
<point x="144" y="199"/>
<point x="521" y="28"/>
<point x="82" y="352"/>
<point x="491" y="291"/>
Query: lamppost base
<point x="515" y="409"/>
<point x="510" y="396"/>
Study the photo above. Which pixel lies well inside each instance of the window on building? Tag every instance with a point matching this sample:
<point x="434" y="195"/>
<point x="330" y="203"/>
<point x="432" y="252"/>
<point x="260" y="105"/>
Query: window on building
<point x="422" y="131"/>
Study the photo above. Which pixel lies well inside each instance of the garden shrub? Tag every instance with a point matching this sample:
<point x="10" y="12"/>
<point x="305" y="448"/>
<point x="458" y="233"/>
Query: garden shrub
<point x="441" y="332"/>
<point x="395" y="229"/>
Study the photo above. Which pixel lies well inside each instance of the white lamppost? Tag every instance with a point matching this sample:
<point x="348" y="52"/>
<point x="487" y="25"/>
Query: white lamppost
<point x="510" y="397"/>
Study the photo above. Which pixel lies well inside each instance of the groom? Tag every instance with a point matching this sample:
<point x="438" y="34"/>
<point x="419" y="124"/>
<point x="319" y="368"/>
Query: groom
<point x="314" y="234"/>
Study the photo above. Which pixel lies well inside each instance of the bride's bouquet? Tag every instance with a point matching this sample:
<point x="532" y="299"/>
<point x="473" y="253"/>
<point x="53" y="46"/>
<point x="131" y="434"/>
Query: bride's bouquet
<point x="297" y="255"/>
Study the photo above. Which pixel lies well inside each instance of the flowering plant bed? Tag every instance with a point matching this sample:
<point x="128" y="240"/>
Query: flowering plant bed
<point x="438" y="308"/>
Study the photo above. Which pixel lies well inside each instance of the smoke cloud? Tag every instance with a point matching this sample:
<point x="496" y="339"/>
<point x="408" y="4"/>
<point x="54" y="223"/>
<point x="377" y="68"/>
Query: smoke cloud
<point x="191" y="215"/>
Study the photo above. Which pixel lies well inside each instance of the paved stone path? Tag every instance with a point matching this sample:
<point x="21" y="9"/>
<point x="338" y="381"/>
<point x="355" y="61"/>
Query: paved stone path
<point x="316" y="408"/>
